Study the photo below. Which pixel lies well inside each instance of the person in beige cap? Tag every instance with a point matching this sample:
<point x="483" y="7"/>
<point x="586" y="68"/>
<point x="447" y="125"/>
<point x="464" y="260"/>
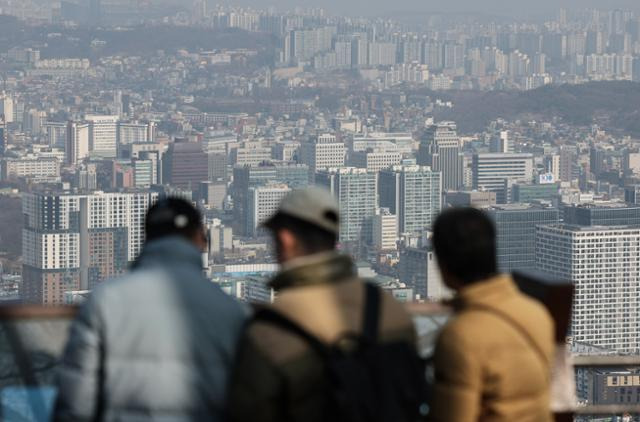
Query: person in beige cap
<point x="279" y="375"/>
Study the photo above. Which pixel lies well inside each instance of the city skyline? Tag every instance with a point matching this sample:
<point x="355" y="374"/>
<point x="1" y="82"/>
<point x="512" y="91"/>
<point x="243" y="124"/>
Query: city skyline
<point x="401" y="110"/>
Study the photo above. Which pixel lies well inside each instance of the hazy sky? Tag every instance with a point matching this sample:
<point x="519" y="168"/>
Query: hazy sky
<point x="370" y="7"/>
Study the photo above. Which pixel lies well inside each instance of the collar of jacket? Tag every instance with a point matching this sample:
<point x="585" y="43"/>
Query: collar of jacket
<point x="323" y="268"/>
<point x="169" y="251"/>
<point x="490" y="292"/>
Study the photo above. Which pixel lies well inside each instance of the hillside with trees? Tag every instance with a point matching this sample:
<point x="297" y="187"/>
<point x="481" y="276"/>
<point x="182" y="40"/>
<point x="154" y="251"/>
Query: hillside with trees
<point x="614" y="106"/>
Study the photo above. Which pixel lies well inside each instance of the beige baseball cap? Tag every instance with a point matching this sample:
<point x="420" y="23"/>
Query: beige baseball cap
<point x="313" y="205"/>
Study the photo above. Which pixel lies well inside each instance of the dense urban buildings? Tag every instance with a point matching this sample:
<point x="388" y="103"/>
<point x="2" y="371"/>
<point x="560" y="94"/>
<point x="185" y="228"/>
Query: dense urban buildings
<point x="106" y="106"/>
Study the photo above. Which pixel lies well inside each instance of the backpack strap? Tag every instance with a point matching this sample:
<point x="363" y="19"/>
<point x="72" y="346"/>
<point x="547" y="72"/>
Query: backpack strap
<point x="274" y="317"/>
<point x="371" y="315"/>
<point x="519" y="328"/>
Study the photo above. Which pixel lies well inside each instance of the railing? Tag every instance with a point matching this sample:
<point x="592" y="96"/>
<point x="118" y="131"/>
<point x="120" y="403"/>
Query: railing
<point x="610" y="361"/>
<point x="436" y="315"/>
<point x="31" y="342"/>
<point x="32" y="339"/>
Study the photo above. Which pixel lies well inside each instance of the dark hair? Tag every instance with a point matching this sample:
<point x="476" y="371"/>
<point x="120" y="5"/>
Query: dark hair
<point x="464" y="240"/>
<point x="172" y="217"/>
<point x="313" y="239"/>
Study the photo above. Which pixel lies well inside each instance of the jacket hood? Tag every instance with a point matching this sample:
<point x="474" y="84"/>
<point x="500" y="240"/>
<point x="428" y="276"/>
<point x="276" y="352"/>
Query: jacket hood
<point x="322" y="268"/>
<point x="169" y="251"/>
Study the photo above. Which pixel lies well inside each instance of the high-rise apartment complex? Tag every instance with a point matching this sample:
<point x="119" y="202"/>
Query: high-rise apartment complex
<point x="604" y="264"/>
<point x="413" y="193"/>
<point x="74" y="241"/>
<point x="440" y="149"/>
<point x="356" y="192"/>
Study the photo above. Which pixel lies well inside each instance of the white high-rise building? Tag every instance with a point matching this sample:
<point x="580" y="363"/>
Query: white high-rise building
<point x="497" y="172"/>
<point x="376" y="159"/>
<point x="604" y="265"/>
<point x="103" y="135"/>
<point x="385" y="230"/>
<point x="130" y="133"/>
<point x="74" y="241"/>
<point x="357" y="193"/>
<point x="77" y="143"/>
<point x="413" y="193"/>
<point x="263" y="202"/>
<point x="552" y="166"/>
<point x="6" y="108"/>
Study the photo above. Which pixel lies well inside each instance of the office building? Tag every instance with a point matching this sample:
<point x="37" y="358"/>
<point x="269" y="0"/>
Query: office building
<point x="218" y="168"/>
<point x="185" y="165"/>
<point x="136" y="133"/>
<point x="474" y="199"/>
<point x="74" y="241"/>
<point x="500" y="143"/>
<point x="613" y="214"/>
<point x="323" y="152"/>
<point x="552" y="166"/>
<point x="103" y="135"/>
<point x="516" y="233"/>
<point x="263" y="202"/>
<point x="56" y="134"/>
<point x="604" y="265"/>
<point x="440" y="150"/>
<point x="212" y="194"/>
<point x="418" y="269"/>
<point x="143" y="173"/>
<point x="413" y="193"/>
<point x="385" y="230"/>
<point x="524" y="193"/>
<point x="356" y="192"/>
<point x="375" y="159"/>
<point x="498" y="172"/>
<point x="245" y="177"/>
<point x="568" y="163"/>
<point x="3" y="140"/>
<point x="77" y="145"/>
<point x="87" y="178"/>
<point x="250" y="154"/>
<point x="632" y="194"/>
<point x="7" y="108"/>
<point x="221" y="239"/>
<point x="35" y="169"/>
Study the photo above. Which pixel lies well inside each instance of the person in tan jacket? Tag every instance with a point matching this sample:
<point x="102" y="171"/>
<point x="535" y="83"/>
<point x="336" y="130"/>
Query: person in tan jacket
<point x="493" y="358"/>
<point x="278" y="376"/>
